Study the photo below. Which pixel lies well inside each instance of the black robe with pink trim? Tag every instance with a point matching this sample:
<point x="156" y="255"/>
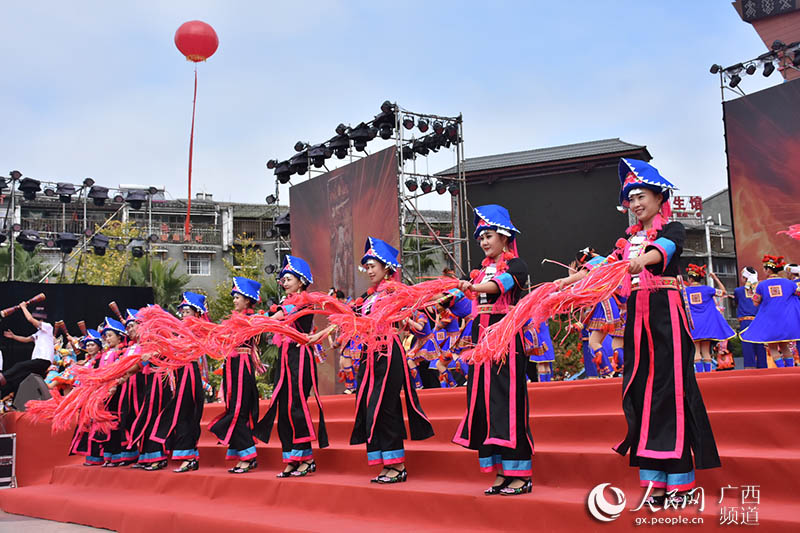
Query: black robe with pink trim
<point x="297" y="375"/>
<point x="661" y="400"/>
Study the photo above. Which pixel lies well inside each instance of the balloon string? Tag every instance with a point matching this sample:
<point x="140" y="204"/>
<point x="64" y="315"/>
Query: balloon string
<point x="186" y="226"/>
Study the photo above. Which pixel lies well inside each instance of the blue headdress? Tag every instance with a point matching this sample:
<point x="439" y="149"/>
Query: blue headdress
<point x="381" y="251"/>
<point x="635" y="174"/>
<point x="195" y="301"/>
<point x="298" y="267"/>
<point x="131" y="315"/>
<point x="92" y="335"/>
<point x="247" y="287"/>
<point x="494" y="217"/>
<point x="113" y="325"/>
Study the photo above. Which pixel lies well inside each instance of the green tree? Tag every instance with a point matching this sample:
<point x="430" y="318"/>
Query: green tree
<point x="167" y="285"/>
<point x="27" y="266"/>
<point x="108" y="269"/>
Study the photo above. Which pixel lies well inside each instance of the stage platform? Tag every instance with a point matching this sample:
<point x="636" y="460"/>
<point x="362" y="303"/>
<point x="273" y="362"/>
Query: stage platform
<point x="755" y="415"/>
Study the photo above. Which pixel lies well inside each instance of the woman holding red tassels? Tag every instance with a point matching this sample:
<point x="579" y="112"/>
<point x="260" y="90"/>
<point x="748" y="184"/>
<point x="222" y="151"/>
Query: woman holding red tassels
<point x="83" y="443"/>
<point x="382" y="374"/>
<point x="178" y="425"/>
<point x="234" y="427"/>
<point x="667" y="420"/>
<point x="294" y="380"/>
<point x="496" y="423"/>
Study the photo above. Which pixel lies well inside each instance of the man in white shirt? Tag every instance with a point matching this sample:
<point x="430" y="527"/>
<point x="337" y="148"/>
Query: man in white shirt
<point x="42" y="356"/>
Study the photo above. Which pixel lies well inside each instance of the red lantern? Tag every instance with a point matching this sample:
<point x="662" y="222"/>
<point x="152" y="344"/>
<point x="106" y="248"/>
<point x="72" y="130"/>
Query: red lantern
<point x="196" y="40"/>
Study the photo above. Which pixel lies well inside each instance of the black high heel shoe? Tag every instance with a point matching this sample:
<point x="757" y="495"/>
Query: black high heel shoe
<point x="508" y="491"/>
<point x="402" y="476"/>
<point x="310" y="467"/>
<point x="251" y="465"/>
<point x="191" y="465"/>
<point x="495" y="489"/>
<point x="287" y="473"/>
<point x="158" y="465"/>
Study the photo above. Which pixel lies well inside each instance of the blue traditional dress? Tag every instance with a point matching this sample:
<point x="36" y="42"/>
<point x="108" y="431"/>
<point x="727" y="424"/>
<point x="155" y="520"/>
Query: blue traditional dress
<point x="778" y="318"/>
<point x="754" y="355"/>
<point x="708" y="324"/>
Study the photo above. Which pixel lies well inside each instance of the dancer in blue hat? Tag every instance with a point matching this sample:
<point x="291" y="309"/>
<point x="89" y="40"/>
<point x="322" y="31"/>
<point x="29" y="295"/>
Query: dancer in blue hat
<point x="754" y="355"/>
<point x="667" y="420"/>
<point x="178" y="425"/>
<point x="496" y="423"/>
<point x="707" y="322"/>
<point x="234" y="427"/>
<point x="383" y="373"/>
<point x="84" y="443"/>
<point x="453" y="325"/>
<point x="294" y="379"/>
<point x="114" y="335"/>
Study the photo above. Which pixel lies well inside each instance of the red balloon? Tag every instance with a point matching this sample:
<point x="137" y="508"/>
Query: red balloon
<point x="196" y="40"/>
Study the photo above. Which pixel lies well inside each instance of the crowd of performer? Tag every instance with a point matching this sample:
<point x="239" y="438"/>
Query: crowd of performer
<point x="655" y="330"/>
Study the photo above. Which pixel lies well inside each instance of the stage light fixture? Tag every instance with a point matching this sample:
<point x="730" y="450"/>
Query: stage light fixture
<point x="271" y="233"/>
<point x="299" y="146"/>
<point x="422" y="124"/>
<point x="283" y="224"/>
<point x="272" y="163"/>
<point x="152" y="191"/>
<point x="769" y="68"/>
<point x="340" y="145"/>
<point x="16" y="227"/>
<point x="385" y="131"/>
<point x="66" y="242"/>
<point x="270" y="199"/>
<point x="453" y="188"/>
<point x="29" y="188"/>
<point x="778" y="45"/>
<point x="270" y="269"/>
<point x="734" y="81"/>
<point x="451" y="132"/>
<point x="3" y="238"/>
<point x="2" y="184"/>
<point x="29" y="239"/>
<point x="282" y="172"/>
<point x="88" y="182"/>
<point x="118" y="198"/>
<point x="715" y="69"/>
<point x="411" y="184"/>
<point x="751" y="69"/>
<point x="432" y="142"/>
<point x="319" y="153"/>
<point x="341" y="129"/>
<point x="120" y="247"/>
<point x="152" y="238"/>
<point x="441" y="188"/>
<point x="299" y="163"/>
<point x="426" y="186"/>
<point x="361" y="135"/>
<point x="136" y="198"/>
<point x="796" y="58"/>
<point x="87" y="232"/>
<point x="438" y="127"/>
<point x="406" y="153"/>
<point x="65" y="192"/>
<point x="50" y="192"/>
<point x="99" y="195"/>
<point x="408" y="122"/>
<point x="99" y="242"/>
<point x="420" y="147"/>
<point x="137" y="248"/>
<point x="50" y="243"/>
<point x="385" y="122"/>
<point x="387" y="106"/>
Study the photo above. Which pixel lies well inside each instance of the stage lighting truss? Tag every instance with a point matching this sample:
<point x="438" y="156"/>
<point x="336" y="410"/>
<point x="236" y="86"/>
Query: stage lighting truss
<point x="780" y="57"/>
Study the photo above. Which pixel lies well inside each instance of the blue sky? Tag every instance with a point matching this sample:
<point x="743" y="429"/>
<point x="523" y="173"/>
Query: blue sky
<point x="98" y="88"/>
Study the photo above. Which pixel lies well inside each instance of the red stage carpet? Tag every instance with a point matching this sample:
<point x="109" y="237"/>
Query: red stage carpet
<point x="755" y="415"/>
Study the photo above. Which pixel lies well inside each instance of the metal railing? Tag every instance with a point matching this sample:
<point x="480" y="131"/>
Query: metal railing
<point x="255" y="229"/>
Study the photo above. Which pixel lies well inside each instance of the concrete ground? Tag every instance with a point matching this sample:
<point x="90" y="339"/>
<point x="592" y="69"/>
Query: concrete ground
<point x="13" y="523"/>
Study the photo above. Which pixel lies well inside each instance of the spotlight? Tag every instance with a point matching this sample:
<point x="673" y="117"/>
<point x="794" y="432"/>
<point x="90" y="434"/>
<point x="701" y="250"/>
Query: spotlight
<point x="118" y="198"/>
<point x="66" y="242"/>
<point x="420" y="147"/>
<point x="137" y="248"/>
<point x="385" y="131"/>
<point x="153" y="237"/>
<point x="152" y="190"/>
<point x="340" y="145"/>
<point x="2" y="184"/>
<point x="271" y="233"/>
<point x="411" y="184"/>
<point x="15" y="174"/>
<point x="734" y="81"/>
<point x="385" y="121"/>
<point x="28" y="239"/>
<point x="387" y="106"/>
<point x="422" y="124"/>
<point x="426" y="186"/>
<point x="441" y="188"/>
<point x="715" y="69"/>
<point x="751" y="69"/>
<point x="796" y="59"/>
<point x="65" y="192"/>
<point x="270" y="199"/>
<point x="283" y="224"/>
<point x="272" y="163"/>
<point x="406" y="152"/>
<point x="88" y="182"/>
<point x="16" y="227"/>
<point x="87" y="232"/>
<point x="270" y="269"/>
<point x="438" y="127"/>
<point x="769" y="68"/>
<point x="50" y="243"/>
<point x="120" y="247"/>
<point x="451" y="132"/>
<point x="777" y="45"/>
<point x="453" y="188"/>
<point x="2" y="238"/>
<point x="408" y="122"/>
<point x="341" y="129"/>
<point x="319" y="153"/>
<point x="299" y="163"/>
<point x="282" y="172"/>
<point x="299" y="146"/>
<point x="432" y="142"/>
<point x="50" y="193"/>
<point x="29" y="188"/>
<point x="99" y="242"/>
<point x="136" y="198"/>
<point x="361" y="135"/>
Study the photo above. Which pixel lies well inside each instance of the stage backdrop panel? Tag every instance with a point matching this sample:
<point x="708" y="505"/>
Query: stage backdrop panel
<point x="332" y="215"/>
<point x="67" y="302"/>
<point x="762" y="132"/>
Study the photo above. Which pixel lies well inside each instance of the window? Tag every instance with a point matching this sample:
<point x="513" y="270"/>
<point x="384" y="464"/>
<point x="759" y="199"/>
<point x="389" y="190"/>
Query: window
<point x="198" y="265"/>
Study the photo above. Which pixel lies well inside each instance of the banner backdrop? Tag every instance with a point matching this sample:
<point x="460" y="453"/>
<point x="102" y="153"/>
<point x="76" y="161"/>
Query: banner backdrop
<point x="762" y="131"/>
<point x="332" y="215"/>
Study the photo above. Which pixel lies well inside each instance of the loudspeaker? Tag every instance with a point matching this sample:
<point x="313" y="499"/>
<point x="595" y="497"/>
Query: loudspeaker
<point x="32" y="388"/>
